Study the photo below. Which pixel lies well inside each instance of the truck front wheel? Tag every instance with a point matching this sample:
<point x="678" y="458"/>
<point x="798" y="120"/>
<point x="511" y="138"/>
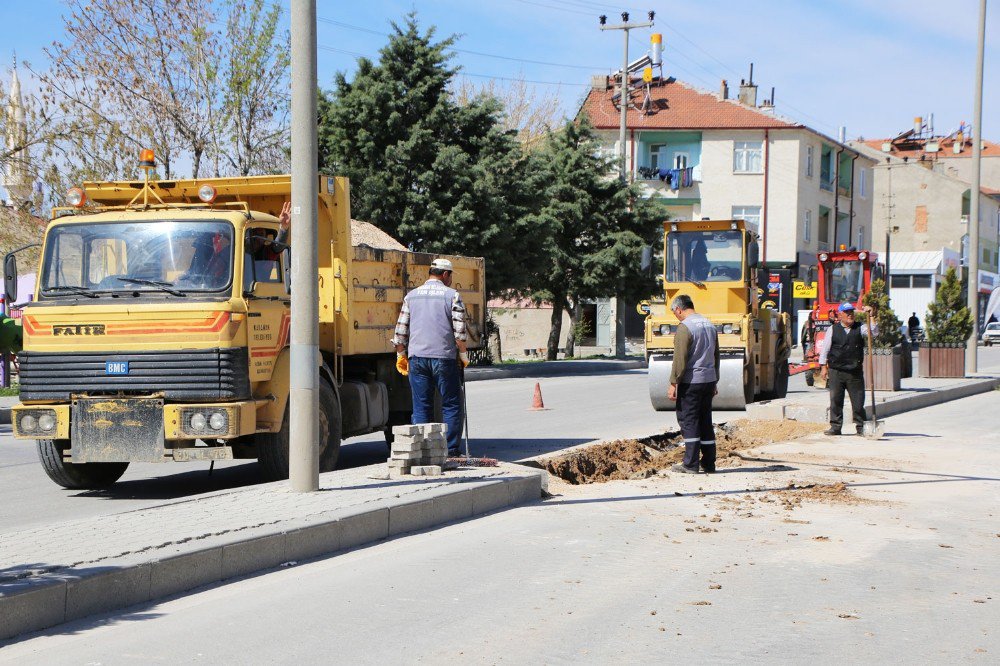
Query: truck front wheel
<point x="273" y="446"/>
<point x="76" y="476"/>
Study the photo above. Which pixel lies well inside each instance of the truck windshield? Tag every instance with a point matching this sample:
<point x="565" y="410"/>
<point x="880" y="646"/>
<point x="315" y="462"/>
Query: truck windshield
<point x="704" y="256"/>
<point x="844" y="280"/>
<point x="162" y="256"/>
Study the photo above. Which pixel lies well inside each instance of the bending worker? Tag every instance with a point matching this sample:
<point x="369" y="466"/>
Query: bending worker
<point x="430" y="335"/>
<point x="842" y="355"/>
<point x="693" y="379"/>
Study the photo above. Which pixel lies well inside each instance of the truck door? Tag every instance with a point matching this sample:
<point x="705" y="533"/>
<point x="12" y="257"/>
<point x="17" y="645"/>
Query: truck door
<point x="268" y="301"/>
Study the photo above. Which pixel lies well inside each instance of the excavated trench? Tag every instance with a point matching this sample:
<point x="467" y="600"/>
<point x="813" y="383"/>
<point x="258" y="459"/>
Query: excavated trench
<point x="623" y="459"/>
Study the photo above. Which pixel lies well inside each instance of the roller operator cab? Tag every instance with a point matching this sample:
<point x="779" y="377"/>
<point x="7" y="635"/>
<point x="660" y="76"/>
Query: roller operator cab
<point x="716" y="264"/>
<point x="842" y="277"/>
<point x="160" y="325"/>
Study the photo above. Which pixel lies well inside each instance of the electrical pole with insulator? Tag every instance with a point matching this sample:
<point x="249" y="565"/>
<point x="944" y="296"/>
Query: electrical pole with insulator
<point x="623" y="100"/>
<point x="972" y="345"/>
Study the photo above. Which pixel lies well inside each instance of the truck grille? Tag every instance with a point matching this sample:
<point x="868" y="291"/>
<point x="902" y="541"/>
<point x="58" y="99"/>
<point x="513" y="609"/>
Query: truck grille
<point x="190" y="375"/>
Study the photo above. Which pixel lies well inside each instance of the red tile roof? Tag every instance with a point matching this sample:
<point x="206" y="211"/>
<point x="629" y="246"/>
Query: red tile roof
<point x="677" y="105"/>
<point x="915" y="148"/>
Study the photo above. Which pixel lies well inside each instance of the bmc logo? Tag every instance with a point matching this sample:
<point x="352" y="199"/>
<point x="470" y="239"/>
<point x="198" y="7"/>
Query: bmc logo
<point x="82" y="329"/>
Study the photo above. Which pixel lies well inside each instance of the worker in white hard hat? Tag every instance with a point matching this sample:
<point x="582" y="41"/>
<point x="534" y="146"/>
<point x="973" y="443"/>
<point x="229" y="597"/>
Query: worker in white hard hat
<point x="430" y="344"/>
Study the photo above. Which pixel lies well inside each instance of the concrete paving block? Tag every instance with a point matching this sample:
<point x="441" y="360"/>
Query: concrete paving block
<point x="436" y="428"/>
<point x="246" y="557"/>
<point x="525" y="489"/>
<point x="407" y="430"/>
<point x="407" y="446"/>
<point x="453" y="506"/>
<point x="313" y="541"/>
<point x="399" y="472"/>
<point x="364" y="527"/>
<point x="426" y="470"/>
<point x="185" y="572"/>
<point x="31" y="605"/>
<point x="405" y="455"/>
<point x="490" y="497"/>
<point x="411" y="517"/>
<point x="770" y="410"/>
<point x="103" y="591"/>
<point x="807" y="413"/>
<point x="395" y="463"/>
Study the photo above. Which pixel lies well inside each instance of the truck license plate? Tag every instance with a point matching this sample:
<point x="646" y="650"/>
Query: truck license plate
<point x="116" y="367"/>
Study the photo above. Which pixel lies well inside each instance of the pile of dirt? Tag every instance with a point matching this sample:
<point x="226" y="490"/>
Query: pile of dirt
<point x="641" y="458"/>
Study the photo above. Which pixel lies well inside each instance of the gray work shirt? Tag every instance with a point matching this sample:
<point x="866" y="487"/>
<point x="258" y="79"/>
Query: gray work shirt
<point x="431" y="320"/>
<point x="696" y="352"/>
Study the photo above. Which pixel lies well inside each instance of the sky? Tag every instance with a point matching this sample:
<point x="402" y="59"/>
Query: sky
<point x="869" y="65"/>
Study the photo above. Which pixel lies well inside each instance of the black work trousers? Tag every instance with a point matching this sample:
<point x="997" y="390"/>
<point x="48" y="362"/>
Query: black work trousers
<point x="853" y="381"/>
<point x="694" y="414"/>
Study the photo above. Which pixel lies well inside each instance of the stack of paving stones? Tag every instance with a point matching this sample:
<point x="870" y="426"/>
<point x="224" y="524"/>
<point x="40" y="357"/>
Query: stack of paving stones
<point x="418" y="450"/>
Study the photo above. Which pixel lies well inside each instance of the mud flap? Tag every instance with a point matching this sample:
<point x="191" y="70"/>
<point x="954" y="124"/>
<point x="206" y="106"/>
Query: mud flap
<point x="117" y="430"/>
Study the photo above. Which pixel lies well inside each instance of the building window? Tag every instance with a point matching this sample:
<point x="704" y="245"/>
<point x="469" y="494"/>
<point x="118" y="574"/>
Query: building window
<point x="747" y="156"/>
<point x="861" y="238"/>
<point x="807" y="227"/>
<point x="921" y="281"/>
<point x="823" y="229"/>
<point x="809" y="161"/>
<point x="826" y="169"/>
<point x="680" y="160"/>
<point x="654" y="154"/>
<point x="899" y="281"/>
<point x="863" y="183"/>
<point x="749" y="214"/>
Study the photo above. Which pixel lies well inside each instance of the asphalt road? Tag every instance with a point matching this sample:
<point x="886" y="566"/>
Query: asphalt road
<point x="580" y="408"/>
<point x="901" y="568"/>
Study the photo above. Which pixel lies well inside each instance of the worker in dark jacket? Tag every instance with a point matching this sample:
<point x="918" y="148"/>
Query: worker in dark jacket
<point x="693" y="379"/>
<point x="842" y="355"/>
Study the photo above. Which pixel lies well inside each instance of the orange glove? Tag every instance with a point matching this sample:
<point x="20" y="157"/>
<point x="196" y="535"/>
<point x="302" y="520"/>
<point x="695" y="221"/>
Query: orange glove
<point x="402" y="364"/>
<point x="464" y="356"/>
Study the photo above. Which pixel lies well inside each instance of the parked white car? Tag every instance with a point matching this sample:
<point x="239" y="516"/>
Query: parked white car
<point x="992" y="334"/>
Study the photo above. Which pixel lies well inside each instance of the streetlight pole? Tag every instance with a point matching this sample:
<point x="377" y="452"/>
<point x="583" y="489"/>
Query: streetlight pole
<point x="624" y="26"/>
<point x="971" y="347"/>
<point x="303" y="394"/>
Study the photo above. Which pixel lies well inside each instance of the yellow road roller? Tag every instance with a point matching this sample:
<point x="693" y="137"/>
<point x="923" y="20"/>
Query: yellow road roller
<point x="715" y="262"/>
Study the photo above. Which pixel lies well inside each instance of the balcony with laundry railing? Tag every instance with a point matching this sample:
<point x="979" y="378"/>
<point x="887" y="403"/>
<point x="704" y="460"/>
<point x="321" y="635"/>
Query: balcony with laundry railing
<point x="671" y="159"/>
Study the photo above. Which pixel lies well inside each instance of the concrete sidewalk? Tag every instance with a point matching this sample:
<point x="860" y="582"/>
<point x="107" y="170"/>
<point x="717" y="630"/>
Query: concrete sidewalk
<point x="70" y="570"/>
<point x="812" y="405"/>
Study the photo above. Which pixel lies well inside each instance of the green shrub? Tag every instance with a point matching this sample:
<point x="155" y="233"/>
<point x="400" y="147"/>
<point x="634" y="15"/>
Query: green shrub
<point x="885" y="319"/>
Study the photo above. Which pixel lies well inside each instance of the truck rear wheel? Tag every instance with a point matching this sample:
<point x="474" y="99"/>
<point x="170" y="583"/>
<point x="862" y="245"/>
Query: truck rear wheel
<point x="273" y="446"/>
<point x="76" y="476"/>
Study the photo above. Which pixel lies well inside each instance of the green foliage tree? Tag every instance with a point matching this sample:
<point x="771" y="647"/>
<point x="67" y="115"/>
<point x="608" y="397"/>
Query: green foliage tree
<point x="886" y="320"/>
<point x="948" y="317"/>
<point x="441" y="176"/>
<point x="590" y="226"/>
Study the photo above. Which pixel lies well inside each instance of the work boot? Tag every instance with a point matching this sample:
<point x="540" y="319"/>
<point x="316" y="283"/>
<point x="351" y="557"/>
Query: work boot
<point x="682" y="469"/>
<point x="861" y="431"/>
<point x="832" y="431"/>
<point x="707" y="470"/>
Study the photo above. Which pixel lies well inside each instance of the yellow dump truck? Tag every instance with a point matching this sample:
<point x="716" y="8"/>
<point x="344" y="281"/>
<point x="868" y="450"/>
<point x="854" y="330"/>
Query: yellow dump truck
<point x="159" y="328"/>
<point x="715" y="263"/>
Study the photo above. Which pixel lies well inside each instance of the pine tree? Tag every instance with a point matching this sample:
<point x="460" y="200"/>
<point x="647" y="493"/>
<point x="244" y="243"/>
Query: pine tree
<point x="885" y="319"/>
<point x="948" y="318"/>
<point x="590" y="226"/>
<point x="442" y="177"/>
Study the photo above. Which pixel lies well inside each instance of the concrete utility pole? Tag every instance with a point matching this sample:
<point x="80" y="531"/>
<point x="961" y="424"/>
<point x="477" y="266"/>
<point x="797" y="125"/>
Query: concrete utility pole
<point x="624" y="26"/>
<point x="303" y="425"/>
<point x="972" y="347"/>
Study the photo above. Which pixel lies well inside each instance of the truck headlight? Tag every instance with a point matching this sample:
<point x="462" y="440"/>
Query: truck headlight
<point x="197" y="422"/>
<point x="28" y="423"/>
<point x="668" y="329"/>
<point x="47" y="422"/>
<point x="218" y="421"/>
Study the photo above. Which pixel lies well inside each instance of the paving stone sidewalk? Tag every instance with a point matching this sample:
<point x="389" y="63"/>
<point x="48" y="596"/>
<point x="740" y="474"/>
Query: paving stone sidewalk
<point x="71" y="569"/>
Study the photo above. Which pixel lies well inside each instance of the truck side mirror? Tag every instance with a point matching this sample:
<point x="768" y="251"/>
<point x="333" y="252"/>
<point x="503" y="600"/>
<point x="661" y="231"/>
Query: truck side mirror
<point x="646" y="262"/>
<point x="10" y="278"/>
<point x="753" y="254"/>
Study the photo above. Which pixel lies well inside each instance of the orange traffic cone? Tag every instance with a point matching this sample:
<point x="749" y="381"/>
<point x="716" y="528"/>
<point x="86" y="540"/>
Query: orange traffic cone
<point x="537" y="404"/>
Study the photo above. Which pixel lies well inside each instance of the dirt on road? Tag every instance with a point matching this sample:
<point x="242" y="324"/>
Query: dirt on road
<point x="623" y="459"/>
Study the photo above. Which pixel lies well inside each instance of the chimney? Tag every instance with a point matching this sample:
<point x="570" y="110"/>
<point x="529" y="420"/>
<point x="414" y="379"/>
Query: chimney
<point x="748" y="91"/>
<point x="724" y="90"/>
<point x="599" y="82"/>
<point x="842" y="135"/>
